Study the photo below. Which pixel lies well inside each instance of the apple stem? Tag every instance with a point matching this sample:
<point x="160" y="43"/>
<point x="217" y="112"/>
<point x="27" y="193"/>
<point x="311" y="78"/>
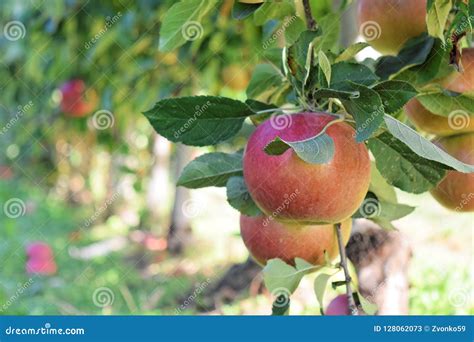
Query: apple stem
<point x="348" y="279"/>
<point x="310" y="22"/>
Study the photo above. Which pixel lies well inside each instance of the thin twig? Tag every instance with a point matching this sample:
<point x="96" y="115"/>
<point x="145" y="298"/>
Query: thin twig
<point x="310" y="22"/>
<point x="342" y="252"/>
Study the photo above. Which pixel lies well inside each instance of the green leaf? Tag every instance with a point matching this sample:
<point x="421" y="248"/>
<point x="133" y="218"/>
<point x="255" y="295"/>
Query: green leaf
<point x="403" y="168"/>
<point x="443" y="103"/>
<point x="293" y="28"/>
<point x="257" y="106"/>
<point x="239" y="198"/>
<point x="351" y="51"/>
<point x="438" y="12"/>
<point x="414" y="52"/>
<point x="435" y="66"/>
<point x="368" y="307"/>
<point x="241" y="10"/>
<point x="380" y="187"/>
<point x="320" y="284"/>
<point x="297" y="56"/>
<point x="303" y="266"/>
<point x="183" y="22"/>
<point x="343" y="72"/>
<point x="463" y="21"/>
<point x="394" y="94"/>
<point x="281" y="277"/>
<point x="211" y="169"/>
<point x="330" y="28"/>
<point x="270" y="10"/>
<point x="423" y="147"/>
<point x="325" y="65"/>
<point x="367" y="110"/>
<point x="260" y="106"/>
<point x="317" y="150"/>
<point x="339" y="94"/>
<point x="264" y="78"/>
<point x="198" y="120"/>
<point x="379" y="210"/>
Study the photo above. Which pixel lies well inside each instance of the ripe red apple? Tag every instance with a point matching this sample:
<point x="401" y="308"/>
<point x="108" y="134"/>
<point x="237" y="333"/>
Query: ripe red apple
<point x="460" y="82"/>
<point x="290" y="189"/>
<point x="40" y="259"/>
<point x="456" y="190"/>
<point x="339" y="306"/>
<point x="267" y="239"/>
<point x="387" y="24"/>
<point x="76" y="99"/>
<point x="426" y="121"/>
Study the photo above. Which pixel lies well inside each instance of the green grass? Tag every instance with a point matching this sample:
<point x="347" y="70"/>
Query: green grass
<point x="141" y="281"/>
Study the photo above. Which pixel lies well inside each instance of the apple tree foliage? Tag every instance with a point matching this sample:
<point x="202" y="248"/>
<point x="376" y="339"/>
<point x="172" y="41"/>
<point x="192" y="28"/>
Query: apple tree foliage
<point x="312" y="73"/>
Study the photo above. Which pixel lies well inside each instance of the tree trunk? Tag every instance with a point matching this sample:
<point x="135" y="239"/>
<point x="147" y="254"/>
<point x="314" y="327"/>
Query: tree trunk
<point x="179" y="234"/>
<point x="381" y="259"/>
<point x="236" y="280"/>
<point x="159" y="187"/>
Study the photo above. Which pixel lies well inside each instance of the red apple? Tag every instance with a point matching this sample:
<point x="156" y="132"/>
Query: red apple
<point x="290" y="189"/>
<point x="436" y="124"/>
<point x="339" y="306"/>
<point x="387" y="24"/>
<point x="456" y="190"/>
<point x="76" y="99"/>
<point x="267" y="239"/>
<point x="40" y="259"/>
<point x="456" y="122"/>
<point x="462" y="82"/>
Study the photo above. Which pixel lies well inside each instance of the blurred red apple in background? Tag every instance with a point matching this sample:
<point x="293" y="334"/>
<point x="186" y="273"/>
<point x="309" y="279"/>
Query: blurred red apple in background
<point x="6" y="172"/>
<point x="40" y="259"/>
<point x="387" y="24"/>
<point x="76" y="99"/>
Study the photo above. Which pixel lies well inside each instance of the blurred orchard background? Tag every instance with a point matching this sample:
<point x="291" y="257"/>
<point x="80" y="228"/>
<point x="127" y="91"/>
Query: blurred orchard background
<point x="99" y="189"/>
